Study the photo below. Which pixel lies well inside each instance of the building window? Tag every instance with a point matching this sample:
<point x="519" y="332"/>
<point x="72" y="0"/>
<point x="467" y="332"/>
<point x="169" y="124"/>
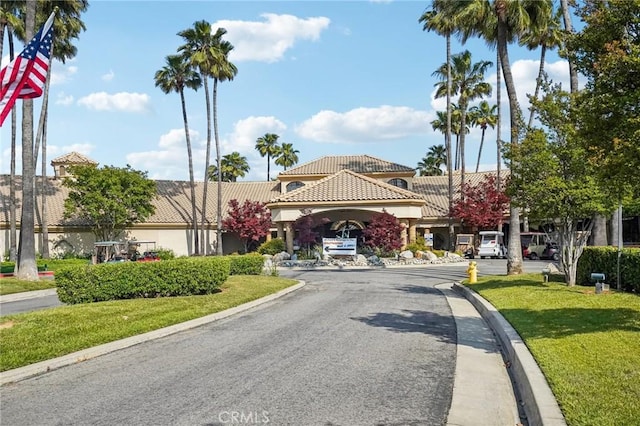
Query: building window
<point x="294" y="185"/>
<point x="400" y="183"/>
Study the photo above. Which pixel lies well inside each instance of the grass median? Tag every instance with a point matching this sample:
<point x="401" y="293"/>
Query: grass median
<point x="587" y="345"/>
<point x="37" y="336"/>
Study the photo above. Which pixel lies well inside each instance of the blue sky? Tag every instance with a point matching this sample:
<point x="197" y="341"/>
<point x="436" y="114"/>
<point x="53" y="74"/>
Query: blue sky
<point x="330" y="77"/>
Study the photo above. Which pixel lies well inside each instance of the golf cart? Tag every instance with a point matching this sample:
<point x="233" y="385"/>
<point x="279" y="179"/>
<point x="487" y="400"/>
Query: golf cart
<point x="492" y="245"/>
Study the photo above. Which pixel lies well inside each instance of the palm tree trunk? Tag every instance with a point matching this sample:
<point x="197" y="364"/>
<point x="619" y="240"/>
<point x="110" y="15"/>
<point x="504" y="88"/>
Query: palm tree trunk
<point x="499" y="121"/>
<point x="514" y="257"/>
<point x="218" y="163"/>
<point x="13" y="251"/>
<point x="543" y="51"/>
<point x="205" y="80"/>
<point x="26" y="268"/>
<point x="448" y="146"/>
<point x="484" y="129"/>
<point x="192" y="185"/>
<point x="568" y="27"/>
<point x="463" y="126"/>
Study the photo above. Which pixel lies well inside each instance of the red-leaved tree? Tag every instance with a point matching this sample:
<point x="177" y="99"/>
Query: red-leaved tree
<point x="383" y="233"/>
<point x="304" y="226"/>
<point x="482" y="205"/>
<point x="250" y="221"/>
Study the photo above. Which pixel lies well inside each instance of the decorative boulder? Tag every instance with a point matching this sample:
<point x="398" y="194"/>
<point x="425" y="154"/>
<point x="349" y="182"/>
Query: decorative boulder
<point x="430" y="256"/>
<point x="283" y="255"/>
<point x="407" y="254"/>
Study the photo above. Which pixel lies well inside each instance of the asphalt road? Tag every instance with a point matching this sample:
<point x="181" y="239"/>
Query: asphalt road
<point x="352" y="347"/>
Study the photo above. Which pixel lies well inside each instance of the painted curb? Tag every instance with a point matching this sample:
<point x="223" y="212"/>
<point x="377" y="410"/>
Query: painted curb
<point x="540" y="405"/>
<point x="21" y="373"/>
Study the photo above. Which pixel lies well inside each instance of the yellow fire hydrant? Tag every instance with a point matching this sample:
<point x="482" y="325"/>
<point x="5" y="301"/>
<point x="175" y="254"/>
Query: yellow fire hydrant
<point x="472" y="272"/>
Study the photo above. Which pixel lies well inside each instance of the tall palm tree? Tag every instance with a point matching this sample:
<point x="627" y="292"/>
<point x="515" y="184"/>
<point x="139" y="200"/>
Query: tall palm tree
<point x="209" y="53"/>
<point x="483" y="116"/>
<point x="431" y="164"/>
<point x="568" y="28"/>
<point x="287" y="156"/>
<point x="439" y="20"/>
<point x="467" y="80"/>
<point x="546" y="35"/>
<point x="500" y="22"/>
<point x="175" y="76"/>
<point x="440" y="124"/>
<point x="267" y="146"/>
<point x="26" y="268"/>
<point x="234" y="166"/>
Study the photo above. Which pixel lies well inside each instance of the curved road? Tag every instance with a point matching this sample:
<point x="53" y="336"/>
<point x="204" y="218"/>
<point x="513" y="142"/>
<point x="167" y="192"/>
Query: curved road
<point x="352" y="347"/>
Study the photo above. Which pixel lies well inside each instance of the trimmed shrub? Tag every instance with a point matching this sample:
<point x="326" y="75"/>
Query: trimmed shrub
<point x="130" y="280"/>
<point x="165" y="254"/>
<point x="414" y="247"/>
<point x="605" y="260"/>
<point x="272" y="247"/>
<point x="246" y="264"/>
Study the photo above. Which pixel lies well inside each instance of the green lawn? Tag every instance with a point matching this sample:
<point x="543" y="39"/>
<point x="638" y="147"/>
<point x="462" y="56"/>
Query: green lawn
<point x="37" y="336"/>
<point x="10" y="285"/>
<point x="587" y="345"/>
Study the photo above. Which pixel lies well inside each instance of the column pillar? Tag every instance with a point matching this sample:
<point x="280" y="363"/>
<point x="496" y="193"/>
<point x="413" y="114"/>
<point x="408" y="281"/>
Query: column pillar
<point x="280" y="228"/>
<point x="403" y="233"/>
<point x="412" y="231"/>
<point x="289" y="234"/>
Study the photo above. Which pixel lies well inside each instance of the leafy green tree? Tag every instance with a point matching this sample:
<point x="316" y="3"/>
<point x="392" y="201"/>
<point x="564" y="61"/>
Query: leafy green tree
<point x="175" y="76"/>
<point x="251" y="221"/>
<point x="287" y="156"/>
<point x="552" y="180"/>
<point x="467" y="81"/>
<point x="111" y="199"/>
<point x="234" y="166"/>
<point x="267" y="146"/>
<point x="483" y="116"/>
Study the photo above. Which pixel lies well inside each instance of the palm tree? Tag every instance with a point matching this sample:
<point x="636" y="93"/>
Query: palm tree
<point x="267" y="146"/>
<point x="467" y="81"/>
<point x="547" y="35"/>
<point x="568" y="28"/>
<point x="431" y="164"/>
<point x="439" y="124"/>
<point x="439" y="20"/>
<point x="209" y="53"/>
<point x="483" y="116"/>
<point x="234" y="165"/>
<point x="287" y="156"/>
<point x="175" y="76"/>
<point x="500" y="22"/>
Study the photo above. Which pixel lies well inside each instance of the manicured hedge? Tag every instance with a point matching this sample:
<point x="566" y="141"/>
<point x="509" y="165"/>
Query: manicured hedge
<point x="605" y="260"/>
<point x="129" y="280"/>
<point x="247" y="264"/>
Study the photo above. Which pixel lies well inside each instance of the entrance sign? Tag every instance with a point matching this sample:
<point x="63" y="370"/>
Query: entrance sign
<point x="428" y="239"/>
<point x="339" y="246"/>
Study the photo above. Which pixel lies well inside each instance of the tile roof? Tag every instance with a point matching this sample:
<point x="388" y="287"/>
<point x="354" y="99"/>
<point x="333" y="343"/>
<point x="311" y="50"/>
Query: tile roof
<point x="329" y="165"/>
<point x="346" y="185"/>
<point x="73" y="158"/>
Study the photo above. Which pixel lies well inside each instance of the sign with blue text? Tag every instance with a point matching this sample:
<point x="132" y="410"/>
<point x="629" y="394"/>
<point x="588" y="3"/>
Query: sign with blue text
<point x="339" y="246"/>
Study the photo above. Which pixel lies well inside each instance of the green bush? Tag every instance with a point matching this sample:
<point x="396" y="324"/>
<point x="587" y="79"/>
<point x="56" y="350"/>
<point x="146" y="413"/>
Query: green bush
<point x="165" y="254"/>
<point x="274" y="246"/>
<point x="130" y="280"/>
<point x="605" y="260"/>
<point x="246" y="264"/>
<point x="414" y="247"/>
<point x="439" y="253"/>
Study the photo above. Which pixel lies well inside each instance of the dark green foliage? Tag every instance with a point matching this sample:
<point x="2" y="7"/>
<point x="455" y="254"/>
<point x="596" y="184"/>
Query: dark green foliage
<point x="414" y="247"/>
<point x="605" y="260"/>
<point x="130" y="280"/>
<point x="272" y="247"/>
<point x="248" y="264"/>
<point x="165" y="254"/>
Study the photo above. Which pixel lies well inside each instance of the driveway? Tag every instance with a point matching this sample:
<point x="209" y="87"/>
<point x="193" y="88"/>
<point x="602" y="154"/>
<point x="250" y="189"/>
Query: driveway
<point x="373" y="347"/>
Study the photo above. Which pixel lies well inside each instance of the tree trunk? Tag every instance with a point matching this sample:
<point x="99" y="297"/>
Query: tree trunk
<point x="498" y="124"/>
<point x="480" y="149"/>
<point x="218" y="163"/>
<point x="192" y="185"/>
<point x="572" y="244"/>
<point x="27" y="268"/>
<point x="447" y="138"/>
<point x="543" y="51"/>
<point x="463" y="125"/>
<point x="615" y="227"/>
<point x="206" y="166"/>
<point x="514" y="258"/>
<point x="13" y="250"/>
<point x="599" y="234"/>
<point x="573" y="72"/>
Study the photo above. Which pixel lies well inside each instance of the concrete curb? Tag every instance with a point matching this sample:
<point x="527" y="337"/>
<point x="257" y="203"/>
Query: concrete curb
<point x="17" y="374"/>
<point x="27" y="295"/>
<point x="540" y="405"/>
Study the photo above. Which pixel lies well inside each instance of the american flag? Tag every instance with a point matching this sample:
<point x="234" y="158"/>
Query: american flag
<point x="25" y="76"/>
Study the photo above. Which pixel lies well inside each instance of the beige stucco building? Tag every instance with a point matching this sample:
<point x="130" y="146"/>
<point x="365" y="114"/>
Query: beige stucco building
<point x="343" y="190"/>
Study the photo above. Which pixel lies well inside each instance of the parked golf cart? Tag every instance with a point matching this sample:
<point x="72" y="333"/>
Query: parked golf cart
<point x="492" y="245"/>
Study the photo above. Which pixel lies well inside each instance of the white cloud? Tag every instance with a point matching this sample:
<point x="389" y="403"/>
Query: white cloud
<point x="365" y="124"/>
<point x="175" y="138"/>
<point x="123" y="101"/>
<point x="268" y="41"/>
<point x="61" y="73"/>
<point x="58" y="150"/>
<point x="108" y="76"/>
<point x="63" y="99"/>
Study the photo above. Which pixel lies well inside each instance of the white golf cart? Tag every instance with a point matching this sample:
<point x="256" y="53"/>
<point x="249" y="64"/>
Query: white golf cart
<point x="492" y="245"/>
